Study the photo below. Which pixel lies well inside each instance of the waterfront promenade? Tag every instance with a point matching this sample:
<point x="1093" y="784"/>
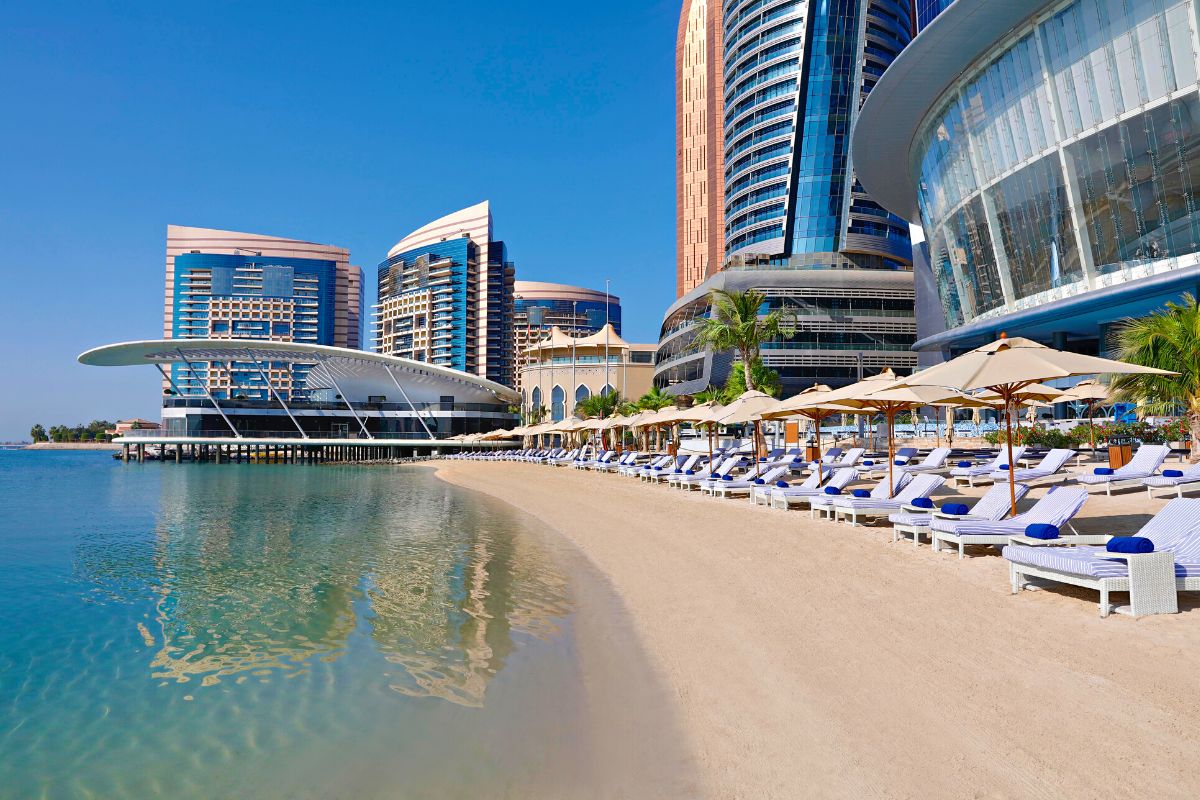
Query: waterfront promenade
<point x="811" y="659"/>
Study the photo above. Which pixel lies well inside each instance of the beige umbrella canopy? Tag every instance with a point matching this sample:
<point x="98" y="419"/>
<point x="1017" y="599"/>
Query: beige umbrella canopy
<point x="810" y="404"/>
<point x="896" y="398"/>
<point x="498" y="433"/>
<point x="748" y="408"/>
<point x="1092" y="392"/>
<point x="702" y="414"/>
<point x="1008" y="365"/>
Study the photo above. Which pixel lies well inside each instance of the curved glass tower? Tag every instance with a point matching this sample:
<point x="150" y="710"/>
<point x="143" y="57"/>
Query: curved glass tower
<point x="796" y="72"/>
<point x="798" y="226"/>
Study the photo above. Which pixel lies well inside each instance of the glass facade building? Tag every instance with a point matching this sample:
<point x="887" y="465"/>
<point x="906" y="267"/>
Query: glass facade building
<point x="226" y="285"/>
<point x="445" y="296"/>
<point x="795" y="74"/>
<point x="928" y="9"/>
<point x="1057" y="176"/>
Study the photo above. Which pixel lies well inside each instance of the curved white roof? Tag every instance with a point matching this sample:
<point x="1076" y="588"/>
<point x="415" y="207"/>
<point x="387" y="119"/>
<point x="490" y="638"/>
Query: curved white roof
<point x="359" y="373"/>
<point x="888" y="122"/>
<point x="475" y="221"/>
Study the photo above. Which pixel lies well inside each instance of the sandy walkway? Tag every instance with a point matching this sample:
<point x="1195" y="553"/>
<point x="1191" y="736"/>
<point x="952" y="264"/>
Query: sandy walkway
<point x="816" y="660"/>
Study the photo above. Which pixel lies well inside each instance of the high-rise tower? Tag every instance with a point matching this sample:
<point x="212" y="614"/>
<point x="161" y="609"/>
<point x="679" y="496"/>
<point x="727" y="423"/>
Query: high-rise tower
<point x="798" y="226"/>
<point x="229" y="285"/>
<point x="699" y="167"/>
<point x="446" y="297"/>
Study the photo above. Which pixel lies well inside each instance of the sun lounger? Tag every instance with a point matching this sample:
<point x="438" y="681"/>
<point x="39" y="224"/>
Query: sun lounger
<point x="1153" y="580"/>
<point x="804" y="493"/>
<point x="1145" y="462"/>
<point x="983" y="472"/>
<point x="1057" y="508"/>
<point x="703" y="473"/>
<point x="933" y="463"/>
<point x="1051" y="469"/>
<point x="1189" y="478"/>
<point x="743" y="485"/>
<point x="680" y="467"/>
<point x="856" y="508"/>
<point x="883" y="490"/>
<point x="995" y="504"/>
<point x="698" y="480"/>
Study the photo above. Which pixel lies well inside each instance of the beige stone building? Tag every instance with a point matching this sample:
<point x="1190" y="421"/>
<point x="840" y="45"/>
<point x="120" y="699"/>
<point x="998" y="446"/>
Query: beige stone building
<point x="560" y="371"/>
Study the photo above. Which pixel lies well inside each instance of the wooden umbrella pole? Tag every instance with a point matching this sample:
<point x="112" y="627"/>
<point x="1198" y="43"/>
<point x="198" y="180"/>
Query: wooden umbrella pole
<point x="889" y="417"/>
<point x="820" y="462"/>
<point x="1006" y="393"/>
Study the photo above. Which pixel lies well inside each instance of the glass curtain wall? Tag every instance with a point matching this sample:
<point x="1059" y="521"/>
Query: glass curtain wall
<point x="1041" y="170"/>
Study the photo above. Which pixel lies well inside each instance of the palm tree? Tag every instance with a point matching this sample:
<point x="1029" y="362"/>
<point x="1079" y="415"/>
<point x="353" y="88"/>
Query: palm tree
<point x="1167" y="339"/>
<point x="598" y="405"/>
<point x="37" y="433"/>
<point x="655" y="399"/>
<point x="734" y="323"/>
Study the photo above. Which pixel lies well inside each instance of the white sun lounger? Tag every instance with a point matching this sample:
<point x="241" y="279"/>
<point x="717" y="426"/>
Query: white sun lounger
<point x="702" y="473"/>
<point x="824" y="503"/>
<point x="743" y="485"/>
<point x="697" y="481"/>
<point x="1153" y="580"/>
<point x="983" y="472"/>
<point x="1051" y="469"/>
<point x="854" y="508"/>
<point x="779" y="497"/>
<point x="1180" y="483"/>
<point x="995" y="504"/>
<point x="1145" y="462"/>
<point x="680" y="468"/>
<point x="1057" y="508"/>
<point x="933" y="463"/>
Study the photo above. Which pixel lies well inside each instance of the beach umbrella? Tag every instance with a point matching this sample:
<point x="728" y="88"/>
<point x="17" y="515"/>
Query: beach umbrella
<point x="811" y="405"/>
<point x="1008" y="365"/>
<point x="1090" y="392"/>
<point x="747" y="408"/>
<point x="895" y="398"/>
<point x="1032" y="396"/>
<point x="703" y="414"/>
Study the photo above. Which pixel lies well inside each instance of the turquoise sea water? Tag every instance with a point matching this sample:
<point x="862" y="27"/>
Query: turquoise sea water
<point x="274" y="631"/>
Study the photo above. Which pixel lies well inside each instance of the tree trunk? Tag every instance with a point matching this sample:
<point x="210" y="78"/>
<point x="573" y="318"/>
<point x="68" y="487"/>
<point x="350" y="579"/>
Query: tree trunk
<point x="1194" y="426"/>
<point x="747" y="360"/>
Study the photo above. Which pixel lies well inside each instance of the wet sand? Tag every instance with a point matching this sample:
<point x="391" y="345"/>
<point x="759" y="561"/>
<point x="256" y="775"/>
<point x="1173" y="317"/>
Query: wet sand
<point x="812" y="659"/>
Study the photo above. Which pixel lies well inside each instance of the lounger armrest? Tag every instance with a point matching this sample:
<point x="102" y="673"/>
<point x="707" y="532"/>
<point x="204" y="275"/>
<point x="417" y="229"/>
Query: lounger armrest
<point x="916" y="509"/>
<point x="944" y="515"/>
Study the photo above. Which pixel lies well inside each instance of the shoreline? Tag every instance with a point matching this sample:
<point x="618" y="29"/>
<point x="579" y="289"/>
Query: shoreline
<point x="102" y="446"/>
<point x="809" y="658"/>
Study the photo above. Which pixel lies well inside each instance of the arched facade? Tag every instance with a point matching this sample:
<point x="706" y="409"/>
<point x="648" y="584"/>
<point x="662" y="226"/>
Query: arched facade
<point x="557" y="404"/>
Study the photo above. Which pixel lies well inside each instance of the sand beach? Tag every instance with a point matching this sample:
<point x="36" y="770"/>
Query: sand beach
<point x="813" y="659"/>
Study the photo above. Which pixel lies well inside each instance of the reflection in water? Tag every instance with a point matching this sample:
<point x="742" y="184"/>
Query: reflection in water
<point x="255" y="578"/>
<point x="295" y="632"/>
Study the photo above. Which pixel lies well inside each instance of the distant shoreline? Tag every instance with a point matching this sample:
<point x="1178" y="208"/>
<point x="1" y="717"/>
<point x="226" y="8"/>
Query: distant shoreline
<point x="73" y="446"/>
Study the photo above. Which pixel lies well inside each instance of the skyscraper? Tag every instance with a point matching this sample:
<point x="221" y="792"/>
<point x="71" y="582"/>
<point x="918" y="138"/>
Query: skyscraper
<point x="798" y="226"/>
<point x="229" y="285"/>
<point x="699" y="227"/>
<point x="446" y="297"/>
<point x="928" y="9"/>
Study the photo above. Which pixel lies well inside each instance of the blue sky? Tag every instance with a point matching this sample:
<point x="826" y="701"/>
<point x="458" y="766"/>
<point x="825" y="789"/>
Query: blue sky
<point x="344" y="123"/>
